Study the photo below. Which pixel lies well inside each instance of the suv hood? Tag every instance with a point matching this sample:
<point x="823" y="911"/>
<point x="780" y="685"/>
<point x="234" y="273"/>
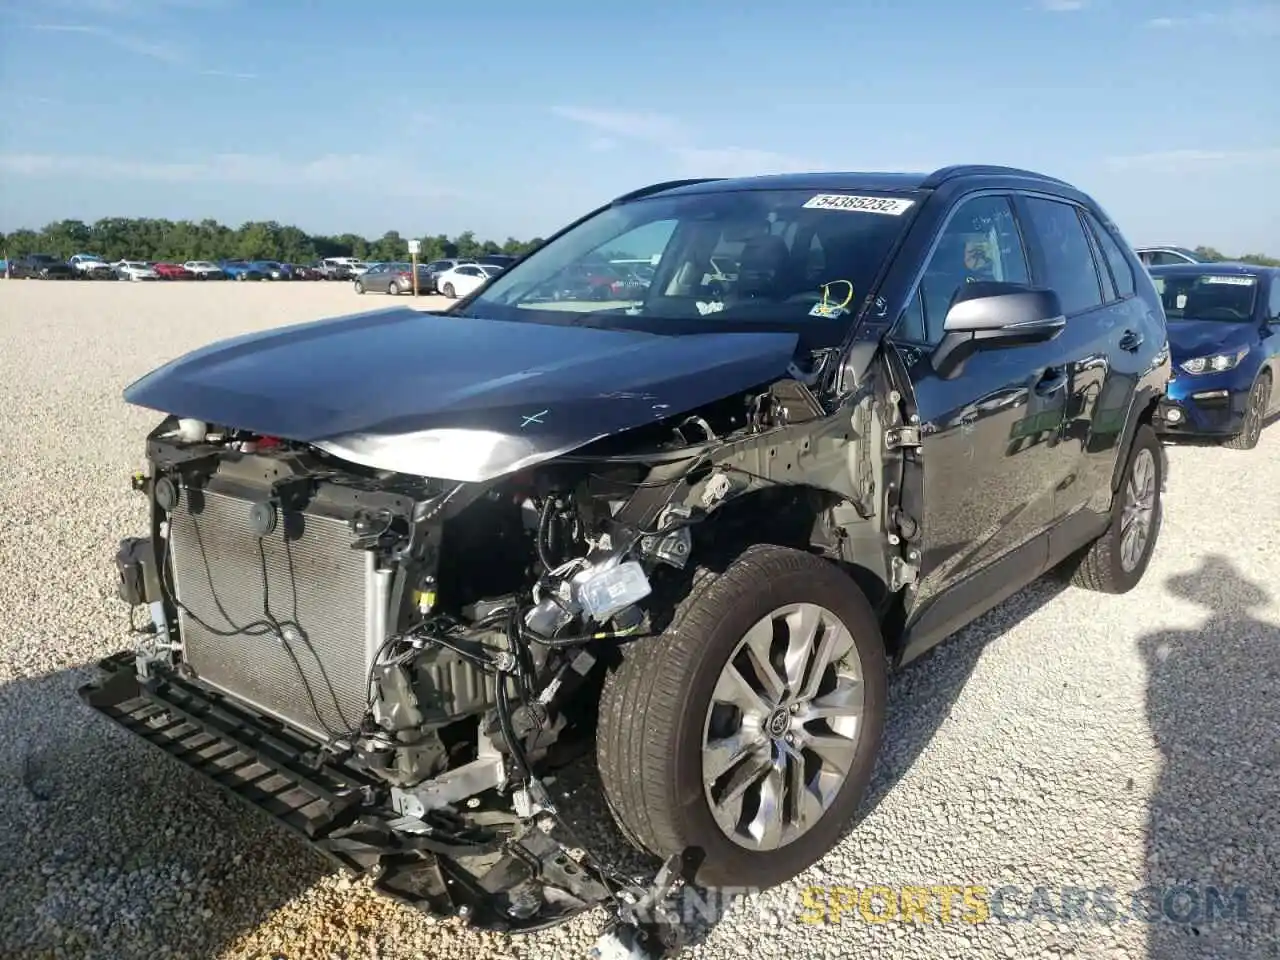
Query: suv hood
<point x="1189" y="339"/>
<point x="451" y="397"/>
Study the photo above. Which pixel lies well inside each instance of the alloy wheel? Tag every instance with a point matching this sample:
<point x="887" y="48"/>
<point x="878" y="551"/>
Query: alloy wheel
<point x="783" y="727"/>
<point x="1139" y="509"/>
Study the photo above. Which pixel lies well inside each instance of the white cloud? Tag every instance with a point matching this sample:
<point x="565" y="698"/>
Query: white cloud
<point x="166" y="53"/>
<point x="237" y="168"/>
<point x="1257" y="21"/>
<point x="671" y="135"/>
<point x="1192" y="159"/>
<point x="740" y="162"/>
<point x="169" y="53"/>
<point x="634" y="125"/>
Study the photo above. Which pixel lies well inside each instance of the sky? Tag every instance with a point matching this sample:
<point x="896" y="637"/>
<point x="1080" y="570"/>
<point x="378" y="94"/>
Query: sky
<point x="511" y="118"/>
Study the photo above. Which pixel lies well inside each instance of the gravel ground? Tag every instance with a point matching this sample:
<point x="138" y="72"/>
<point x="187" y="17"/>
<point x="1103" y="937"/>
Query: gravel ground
<point x="1064" y="741"/>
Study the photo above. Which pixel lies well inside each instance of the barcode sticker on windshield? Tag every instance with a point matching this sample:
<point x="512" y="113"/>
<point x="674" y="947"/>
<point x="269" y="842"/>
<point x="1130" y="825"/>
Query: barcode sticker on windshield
<point x="1234" y="281"/>
<point x="893" y="206"/>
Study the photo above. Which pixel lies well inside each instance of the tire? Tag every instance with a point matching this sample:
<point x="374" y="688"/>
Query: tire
<point x="449" y="292"/>
<point x="1255" y="415"/>
<point x="393" y="289"/>
<point x="1105" y="566"/>
<point x="359" y="285"/>
<point x="654" y="717"/>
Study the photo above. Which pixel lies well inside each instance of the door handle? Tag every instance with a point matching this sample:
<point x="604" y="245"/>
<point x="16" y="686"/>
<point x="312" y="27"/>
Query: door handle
<point x="1130" y="340"/>
<point x="1051" y="381"/>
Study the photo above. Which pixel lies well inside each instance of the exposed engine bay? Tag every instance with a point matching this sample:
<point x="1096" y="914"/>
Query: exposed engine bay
<point x="418" y="656"/>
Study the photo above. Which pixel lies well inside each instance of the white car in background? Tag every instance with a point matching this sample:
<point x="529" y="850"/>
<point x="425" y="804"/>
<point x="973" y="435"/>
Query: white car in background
<point x="355" y="265"/>
<point x="135" y="270"/>
<point x="205" y="270"/>
<point x="465" y="278"/>
<point x="92" y="266"/>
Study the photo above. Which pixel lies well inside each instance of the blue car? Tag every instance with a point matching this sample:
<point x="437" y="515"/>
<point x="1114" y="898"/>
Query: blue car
<point x="1224" y="340"/>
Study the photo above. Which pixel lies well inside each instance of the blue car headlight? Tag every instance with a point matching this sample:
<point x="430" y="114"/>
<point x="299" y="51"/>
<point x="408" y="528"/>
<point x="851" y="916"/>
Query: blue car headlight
<point x="1215" y="363"/>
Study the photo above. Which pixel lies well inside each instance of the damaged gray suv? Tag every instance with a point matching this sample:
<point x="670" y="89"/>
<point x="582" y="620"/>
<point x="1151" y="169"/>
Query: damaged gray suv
<point x="685" y="516"/>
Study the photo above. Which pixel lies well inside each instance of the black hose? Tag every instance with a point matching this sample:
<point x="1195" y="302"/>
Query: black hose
<point x="544" y="528"/>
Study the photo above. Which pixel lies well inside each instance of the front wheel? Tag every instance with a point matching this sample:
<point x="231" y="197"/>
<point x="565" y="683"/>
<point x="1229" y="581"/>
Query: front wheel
<point x="359" y="286"/>
<point x="1255" y="415"/>
<point x="448" y="291"/>
<point x="749" y="729"/>
<point x="393" y="289"/>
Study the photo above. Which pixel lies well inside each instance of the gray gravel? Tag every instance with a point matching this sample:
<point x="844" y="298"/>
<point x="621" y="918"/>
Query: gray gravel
<point x="1067" y="740"/>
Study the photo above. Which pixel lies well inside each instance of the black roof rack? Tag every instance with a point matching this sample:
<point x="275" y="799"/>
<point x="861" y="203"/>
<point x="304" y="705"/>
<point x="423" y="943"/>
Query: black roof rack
<point x="943" y="174"/>
<point x="659" y="187"/>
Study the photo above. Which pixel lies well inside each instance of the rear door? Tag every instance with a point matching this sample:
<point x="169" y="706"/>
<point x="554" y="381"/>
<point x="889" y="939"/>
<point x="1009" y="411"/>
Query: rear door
<point x="986" y="456"/>
<point x="1105" y="349"/>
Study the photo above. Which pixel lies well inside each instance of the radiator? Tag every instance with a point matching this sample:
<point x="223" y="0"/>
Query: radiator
<point x="329" y="600"/>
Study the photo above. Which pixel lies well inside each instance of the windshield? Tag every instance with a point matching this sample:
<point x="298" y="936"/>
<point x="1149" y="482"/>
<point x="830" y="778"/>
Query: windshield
<point x="781" y="259"/>
<point x="1207" y="296"/>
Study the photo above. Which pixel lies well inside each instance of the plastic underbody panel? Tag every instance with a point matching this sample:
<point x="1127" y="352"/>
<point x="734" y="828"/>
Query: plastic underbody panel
<point x="480" y="867"/>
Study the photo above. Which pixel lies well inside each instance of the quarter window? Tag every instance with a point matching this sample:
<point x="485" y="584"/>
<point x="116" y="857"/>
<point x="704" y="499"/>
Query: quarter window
<point x="981" y="241"/>
<point x="1273" y="305"/>
<point x="1121" y="271"/>
<point x="1068" y="260"/>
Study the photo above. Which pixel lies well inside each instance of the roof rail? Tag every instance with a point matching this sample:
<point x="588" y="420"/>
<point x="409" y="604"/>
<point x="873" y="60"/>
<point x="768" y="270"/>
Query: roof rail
<point x="659" y="187"/>
<point x="943" y="174"/>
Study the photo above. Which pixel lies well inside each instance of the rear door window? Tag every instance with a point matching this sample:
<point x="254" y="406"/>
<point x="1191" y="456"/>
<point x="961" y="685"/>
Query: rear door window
<point x="1068" y="263"/>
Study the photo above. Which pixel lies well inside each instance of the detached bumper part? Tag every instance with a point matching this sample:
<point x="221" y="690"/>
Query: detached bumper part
<point x="501" y="875"/>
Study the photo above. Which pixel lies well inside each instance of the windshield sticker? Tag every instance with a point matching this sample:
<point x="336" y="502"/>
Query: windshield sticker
<point x="828" y="307"/>
<point x="893" y="206"/>
<point x="1234" y="281"/>
<point x="704" y="308"/>
<point x="1181" y="301"/>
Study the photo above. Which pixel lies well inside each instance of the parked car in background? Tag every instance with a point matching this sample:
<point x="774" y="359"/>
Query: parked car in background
<point x="90" y="266"/>
<point x="303" y="271"/>
<point x="353" y="266"/>
<point x="1224" y="339"/>
<point x="41" y="266"/>
<point x="135" y="270"/>
<point x="172" y="271"/>
<point x="240" y="270"/>
<point x="391" y="278"/>
<point x="496" y="260"/>
<point x="465" y="278"/>
<point x="1161" y="256"/>
<point x="335" y="268"/>
<point x="437" y="267"/>
<point x="272" y="269"/>
<point x="205" y="270"/>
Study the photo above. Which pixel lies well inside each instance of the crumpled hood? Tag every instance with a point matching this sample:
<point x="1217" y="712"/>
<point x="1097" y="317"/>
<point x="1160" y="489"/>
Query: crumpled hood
<point x="455" y="397"/>
<point x="1189" y="339"/>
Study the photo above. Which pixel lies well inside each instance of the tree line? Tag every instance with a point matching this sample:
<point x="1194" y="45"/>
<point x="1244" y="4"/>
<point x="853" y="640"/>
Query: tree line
<point x="119" y="238"/>
<point x="1208" y="253"/>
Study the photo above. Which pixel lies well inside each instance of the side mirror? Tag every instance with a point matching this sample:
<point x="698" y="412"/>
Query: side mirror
<point x="991" y="315"/>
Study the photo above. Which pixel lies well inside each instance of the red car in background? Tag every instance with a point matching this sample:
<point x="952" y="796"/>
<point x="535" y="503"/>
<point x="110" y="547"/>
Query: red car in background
<point x="172" y="271"/>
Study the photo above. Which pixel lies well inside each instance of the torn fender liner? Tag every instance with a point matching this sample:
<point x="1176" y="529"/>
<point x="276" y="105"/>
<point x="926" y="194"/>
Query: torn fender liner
<point x="456" y="398"/>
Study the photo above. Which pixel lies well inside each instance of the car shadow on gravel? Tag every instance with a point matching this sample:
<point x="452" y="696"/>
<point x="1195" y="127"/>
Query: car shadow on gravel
<point x="108" y="848"/>
<point x="1213" y="833"/>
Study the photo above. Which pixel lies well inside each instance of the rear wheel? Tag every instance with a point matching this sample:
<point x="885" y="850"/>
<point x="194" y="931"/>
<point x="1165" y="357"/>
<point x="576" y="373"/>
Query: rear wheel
<point x="748" y="730"/>
<point x="359" y="286"/>
<point x="448" y="291"/>
<point x="1116" y="561"/>
<point x="393" y="289"/>
<point x="1255" y="414"/>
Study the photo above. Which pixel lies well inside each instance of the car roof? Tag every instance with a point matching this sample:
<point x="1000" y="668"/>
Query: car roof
<point x="1228" y="268"/>
<point x="882" y="181"/>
